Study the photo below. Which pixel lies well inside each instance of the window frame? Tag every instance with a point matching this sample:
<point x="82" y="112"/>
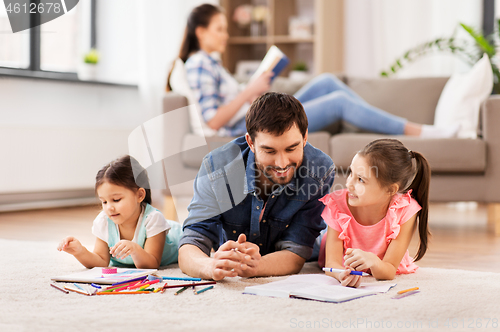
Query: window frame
<point x="34" y="69"/>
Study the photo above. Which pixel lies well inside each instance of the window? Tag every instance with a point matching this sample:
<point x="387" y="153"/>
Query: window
<point x="53" y="49"/>
<point x="14" y="47"/>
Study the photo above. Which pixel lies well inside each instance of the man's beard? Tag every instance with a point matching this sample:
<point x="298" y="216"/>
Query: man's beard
<point x="268" y="172"/>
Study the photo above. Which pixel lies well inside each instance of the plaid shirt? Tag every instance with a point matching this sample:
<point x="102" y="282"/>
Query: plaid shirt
<point x="212" y="86"/>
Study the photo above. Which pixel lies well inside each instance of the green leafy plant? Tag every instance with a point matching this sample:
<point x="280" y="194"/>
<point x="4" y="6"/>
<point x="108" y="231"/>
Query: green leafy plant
<point x="92" y="57"/>
<point x="468" y="51"/>
<point x="300" y="66"/>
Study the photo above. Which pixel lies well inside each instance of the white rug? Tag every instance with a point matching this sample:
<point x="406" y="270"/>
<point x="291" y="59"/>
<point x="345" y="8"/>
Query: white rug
<point x="461" y="299"/>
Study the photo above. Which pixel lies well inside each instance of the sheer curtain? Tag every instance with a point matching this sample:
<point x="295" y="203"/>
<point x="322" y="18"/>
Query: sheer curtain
<point x="379" y="31"/>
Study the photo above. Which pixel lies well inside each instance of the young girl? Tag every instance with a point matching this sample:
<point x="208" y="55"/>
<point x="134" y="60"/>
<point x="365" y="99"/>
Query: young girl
<point x="129" y="231"/>
<point x="371" y="222"/>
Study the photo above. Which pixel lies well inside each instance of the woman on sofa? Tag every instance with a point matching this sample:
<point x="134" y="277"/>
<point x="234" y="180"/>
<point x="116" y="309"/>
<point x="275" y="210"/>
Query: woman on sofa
<point x="326" y="99"/>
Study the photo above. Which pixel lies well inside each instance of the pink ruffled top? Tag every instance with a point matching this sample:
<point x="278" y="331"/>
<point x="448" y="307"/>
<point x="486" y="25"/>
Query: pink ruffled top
<point x="373" y="238"/>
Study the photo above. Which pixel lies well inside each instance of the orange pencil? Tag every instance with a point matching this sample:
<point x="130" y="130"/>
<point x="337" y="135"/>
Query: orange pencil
<point x="407" y="290"/>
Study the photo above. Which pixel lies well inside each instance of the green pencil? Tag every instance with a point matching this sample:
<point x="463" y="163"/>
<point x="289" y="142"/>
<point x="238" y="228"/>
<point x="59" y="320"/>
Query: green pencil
<point x="181" y="290"/>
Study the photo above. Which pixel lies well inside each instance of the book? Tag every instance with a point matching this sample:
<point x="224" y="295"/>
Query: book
<point x="95" y="276"/>
<point x="317" y="287"/>
<point x="274" y="60"/>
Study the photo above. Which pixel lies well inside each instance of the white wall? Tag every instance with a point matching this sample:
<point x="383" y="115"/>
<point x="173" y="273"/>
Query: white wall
<point x="56" y="135"/>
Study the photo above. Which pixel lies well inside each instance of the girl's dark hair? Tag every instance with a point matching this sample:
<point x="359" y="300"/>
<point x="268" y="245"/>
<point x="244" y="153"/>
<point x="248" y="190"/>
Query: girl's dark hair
<point x="395" y="164"/>
<point x="275" y="113"/>
<point x="199" y="17"/>
<point x="125" y="172"/>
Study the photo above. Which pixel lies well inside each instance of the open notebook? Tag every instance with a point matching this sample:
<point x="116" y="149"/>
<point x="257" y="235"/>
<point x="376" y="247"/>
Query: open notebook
<point x="95" y="276"/>
<point x="318" y="287"/>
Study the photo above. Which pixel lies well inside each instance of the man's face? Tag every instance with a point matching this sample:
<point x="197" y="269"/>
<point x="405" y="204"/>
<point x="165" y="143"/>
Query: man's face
<point x="277" y="157"/>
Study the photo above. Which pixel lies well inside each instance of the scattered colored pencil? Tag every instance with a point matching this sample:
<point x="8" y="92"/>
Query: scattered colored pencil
<point x="119" y="293"/>
<point x="204" y="290"/>
<point x="59" y="288"/>
<point x="407" y="290"/>
<point x="181" y="290"/>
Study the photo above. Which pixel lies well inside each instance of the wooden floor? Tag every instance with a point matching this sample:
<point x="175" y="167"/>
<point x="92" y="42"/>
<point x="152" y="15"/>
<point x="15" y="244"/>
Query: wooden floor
<point x="460" y="237"/>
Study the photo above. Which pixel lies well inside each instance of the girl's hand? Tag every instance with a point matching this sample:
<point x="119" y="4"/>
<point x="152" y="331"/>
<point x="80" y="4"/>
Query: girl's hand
<point x="123" y="249"/>
<point x="349" y="280"/>
<point x="260" y="85"/>
<point x="70" y="245"/>
<point x="359" y="260"/>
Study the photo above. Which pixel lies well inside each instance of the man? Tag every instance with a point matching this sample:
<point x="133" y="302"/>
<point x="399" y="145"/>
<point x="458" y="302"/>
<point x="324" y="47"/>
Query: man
<point x="256" y="198"/>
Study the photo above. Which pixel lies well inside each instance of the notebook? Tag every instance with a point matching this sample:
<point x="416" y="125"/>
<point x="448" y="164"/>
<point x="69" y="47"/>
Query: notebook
<point x="95" y="276"/>
<point x="318" y="287"/>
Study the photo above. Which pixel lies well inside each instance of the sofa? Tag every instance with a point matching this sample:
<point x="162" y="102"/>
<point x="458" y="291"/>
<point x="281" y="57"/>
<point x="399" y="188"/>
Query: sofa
<point x="462" y="169"/>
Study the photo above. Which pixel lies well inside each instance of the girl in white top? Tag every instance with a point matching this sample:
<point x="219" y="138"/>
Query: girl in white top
<point x="129" y="231"/>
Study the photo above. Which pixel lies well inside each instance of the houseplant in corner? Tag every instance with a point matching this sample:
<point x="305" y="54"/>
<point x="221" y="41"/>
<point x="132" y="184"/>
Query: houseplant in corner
<point x="299" y="72"/>
<point x="468" y="50"/>
<point x="87" y="71"/>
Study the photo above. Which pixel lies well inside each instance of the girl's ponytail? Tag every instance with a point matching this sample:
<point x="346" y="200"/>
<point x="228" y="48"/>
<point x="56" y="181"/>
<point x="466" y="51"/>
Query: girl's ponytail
<point x="420" y="191"/>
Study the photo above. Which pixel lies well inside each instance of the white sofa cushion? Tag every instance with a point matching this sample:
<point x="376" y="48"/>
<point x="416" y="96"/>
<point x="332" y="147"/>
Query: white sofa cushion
<point x="462" y="96"/>
<point x="179" y="84"/>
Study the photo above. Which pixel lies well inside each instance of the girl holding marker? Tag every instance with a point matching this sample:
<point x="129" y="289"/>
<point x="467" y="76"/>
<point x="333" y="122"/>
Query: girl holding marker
<point x="129" y="231"/>
<point x="371" y="222"/>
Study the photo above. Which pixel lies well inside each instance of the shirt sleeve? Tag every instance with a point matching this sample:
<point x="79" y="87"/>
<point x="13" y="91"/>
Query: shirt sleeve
<point x="409" y="211"/>
<point x="100" y="227"/>
<point x="202" y="79"/>
<point x="203" y="226"/>
<point x="155" y="223"/>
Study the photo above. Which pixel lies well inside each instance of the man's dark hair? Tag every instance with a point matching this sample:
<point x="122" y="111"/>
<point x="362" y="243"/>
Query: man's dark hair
<point x="275" y="113"/>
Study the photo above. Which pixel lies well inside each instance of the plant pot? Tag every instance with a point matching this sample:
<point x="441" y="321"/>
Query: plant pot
<point x="87" y="72"/>
<point x="298" y="75"/>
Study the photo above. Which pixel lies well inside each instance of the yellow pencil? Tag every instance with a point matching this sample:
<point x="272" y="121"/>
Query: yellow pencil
<point x="407" y="290"/>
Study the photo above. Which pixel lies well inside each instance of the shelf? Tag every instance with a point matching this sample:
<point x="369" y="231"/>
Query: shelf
<point x="263" y="40"/>
<point x="289" y="39"/>
<point x="247" y="40"/>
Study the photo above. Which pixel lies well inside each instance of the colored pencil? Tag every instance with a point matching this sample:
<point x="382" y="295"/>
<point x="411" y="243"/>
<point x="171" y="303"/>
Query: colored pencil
<point x="129" y="281"/>
<point x="118" y="293"/>
<point x="204" y="290"/>
<point x="59" y="288"/>
<point x="181" y="290"/>
<point x="76" y="290"/>
<point x="407" y="290"/>
<point x="184" y="285"/>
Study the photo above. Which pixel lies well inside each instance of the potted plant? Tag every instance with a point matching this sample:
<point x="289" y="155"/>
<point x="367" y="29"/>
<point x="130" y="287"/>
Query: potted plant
<point x="87" y="70"/>
<point x="299" y="71"/>
<point x="464" y="49"/>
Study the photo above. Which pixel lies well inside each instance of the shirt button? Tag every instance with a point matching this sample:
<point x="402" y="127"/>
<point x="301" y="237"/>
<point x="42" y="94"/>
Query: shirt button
<point x="258" y="207"/>
<point x="264" y="220"/>
<point x="260" y="244"/>
<point x="254" y="234"/>
<point x="272" y="196"/>
<point x="234" y="232"/>
<point x="286" y="226"/>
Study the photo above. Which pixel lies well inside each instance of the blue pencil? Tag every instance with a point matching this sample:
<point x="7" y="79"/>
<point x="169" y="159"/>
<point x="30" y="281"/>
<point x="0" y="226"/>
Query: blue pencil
<point x="174" y="278"/>
<point x="203" y="290"/>
<point x="78" y="286"/>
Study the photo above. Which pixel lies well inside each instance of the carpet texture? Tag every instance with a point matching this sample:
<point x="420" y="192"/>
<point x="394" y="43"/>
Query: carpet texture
<point x="450" y="300"/>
